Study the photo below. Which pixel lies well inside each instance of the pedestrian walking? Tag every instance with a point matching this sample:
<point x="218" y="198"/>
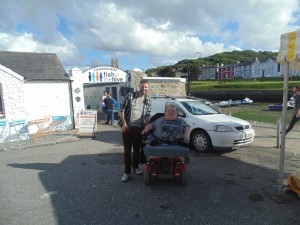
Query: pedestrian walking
<point x="296" y="115"/>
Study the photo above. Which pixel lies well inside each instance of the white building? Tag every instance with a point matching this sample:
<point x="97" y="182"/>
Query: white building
<point x="33" y="86"/>
<point x="94" y="81"/>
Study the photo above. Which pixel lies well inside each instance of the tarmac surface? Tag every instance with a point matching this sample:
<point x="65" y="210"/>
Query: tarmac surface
<point x="67" y="179"/>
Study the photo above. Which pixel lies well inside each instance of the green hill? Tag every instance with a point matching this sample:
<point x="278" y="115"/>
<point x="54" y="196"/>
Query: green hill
<point x="225" y="57"/>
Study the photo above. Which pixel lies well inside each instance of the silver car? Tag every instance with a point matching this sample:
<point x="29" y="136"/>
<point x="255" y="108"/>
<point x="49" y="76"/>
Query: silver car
<point x="210" y="129"/>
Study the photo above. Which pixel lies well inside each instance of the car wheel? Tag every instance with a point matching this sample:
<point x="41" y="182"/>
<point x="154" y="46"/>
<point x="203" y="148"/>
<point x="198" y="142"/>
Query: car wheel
<point x="201" y="141"/>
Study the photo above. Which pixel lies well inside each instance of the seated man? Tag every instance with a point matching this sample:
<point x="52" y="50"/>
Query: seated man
<point x="168" y="129"/>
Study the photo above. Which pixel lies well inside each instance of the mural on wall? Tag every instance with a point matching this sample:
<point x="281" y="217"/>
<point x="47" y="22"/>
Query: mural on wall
<point x="20" y="129"/>
<point x="104" y="74"/>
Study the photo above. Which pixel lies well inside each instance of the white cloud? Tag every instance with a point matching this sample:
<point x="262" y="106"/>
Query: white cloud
<point x="26" y="43"/>
<point x="164" y="31"/>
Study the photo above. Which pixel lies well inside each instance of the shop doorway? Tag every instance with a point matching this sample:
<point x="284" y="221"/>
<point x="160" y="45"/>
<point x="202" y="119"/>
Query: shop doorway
<point x="112" y="91"/>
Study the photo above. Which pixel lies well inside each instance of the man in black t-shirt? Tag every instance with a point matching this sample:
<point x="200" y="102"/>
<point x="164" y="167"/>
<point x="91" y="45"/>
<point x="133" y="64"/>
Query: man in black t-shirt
<point x="109" y="104"/>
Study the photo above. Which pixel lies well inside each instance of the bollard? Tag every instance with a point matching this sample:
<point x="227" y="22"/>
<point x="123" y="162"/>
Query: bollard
<point x="278" y="140"/>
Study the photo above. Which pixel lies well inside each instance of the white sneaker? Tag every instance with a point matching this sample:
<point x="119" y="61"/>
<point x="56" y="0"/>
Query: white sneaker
<point x="125" y="177"/>
<point x="138" y="171"/>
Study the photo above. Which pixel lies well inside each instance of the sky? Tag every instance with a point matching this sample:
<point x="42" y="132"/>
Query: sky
<point x="143" y="34"/>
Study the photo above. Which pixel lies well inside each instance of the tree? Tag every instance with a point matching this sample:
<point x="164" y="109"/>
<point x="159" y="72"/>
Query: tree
<point x="193" y="70"/>
<point x="167" y="72"/>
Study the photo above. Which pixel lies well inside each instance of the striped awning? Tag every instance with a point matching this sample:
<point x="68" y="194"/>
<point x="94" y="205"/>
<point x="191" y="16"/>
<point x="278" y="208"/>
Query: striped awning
<point x="290" y="49"/>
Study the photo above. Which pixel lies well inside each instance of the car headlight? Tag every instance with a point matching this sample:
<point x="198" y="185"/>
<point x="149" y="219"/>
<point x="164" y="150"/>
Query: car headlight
<point x="222" y="128"/>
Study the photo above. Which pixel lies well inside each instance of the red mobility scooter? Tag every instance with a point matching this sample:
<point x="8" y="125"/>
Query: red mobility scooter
<point x="167" y="161"/>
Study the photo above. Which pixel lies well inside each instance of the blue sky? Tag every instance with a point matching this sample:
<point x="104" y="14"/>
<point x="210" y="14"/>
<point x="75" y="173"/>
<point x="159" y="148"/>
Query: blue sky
<point x="140" y="33"/>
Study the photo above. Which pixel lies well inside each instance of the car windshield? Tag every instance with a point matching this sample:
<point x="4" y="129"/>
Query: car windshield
<point x="198" y="108"/>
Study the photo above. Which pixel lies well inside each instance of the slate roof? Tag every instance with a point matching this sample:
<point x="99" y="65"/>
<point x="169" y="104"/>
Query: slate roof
<point x="34" y="66"/>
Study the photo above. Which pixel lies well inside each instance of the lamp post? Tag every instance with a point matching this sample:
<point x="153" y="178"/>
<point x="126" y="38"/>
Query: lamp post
<point x="189" y="82"/>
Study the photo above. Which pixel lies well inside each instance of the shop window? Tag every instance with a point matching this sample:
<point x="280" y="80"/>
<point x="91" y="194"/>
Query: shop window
<point x="1" y="103"/>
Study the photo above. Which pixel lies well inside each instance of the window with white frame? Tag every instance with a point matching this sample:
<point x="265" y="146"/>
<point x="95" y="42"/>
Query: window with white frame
<point x="270" y="68"/>
<point x="270" y="64"/>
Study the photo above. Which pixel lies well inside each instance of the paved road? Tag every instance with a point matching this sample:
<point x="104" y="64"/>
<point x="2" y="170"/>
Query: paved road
<point x="78" y="182"/>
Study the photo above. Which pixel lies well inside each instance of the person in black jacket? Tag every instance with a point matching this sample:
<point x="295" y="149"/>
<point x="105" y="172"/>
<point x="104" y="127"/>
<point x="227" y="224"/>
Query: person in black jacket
<point x="296" y="115"/>
<point x="109" y="104"/>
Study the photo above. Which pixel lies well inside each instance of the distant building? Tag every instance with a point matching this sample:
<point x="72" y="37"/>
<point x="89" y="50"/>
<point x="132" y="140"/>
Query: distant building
<point x="256" y="69"/>
<point x="209" y="72"/>
<point x="225" y="71"/>
<point x="242" y="70"/>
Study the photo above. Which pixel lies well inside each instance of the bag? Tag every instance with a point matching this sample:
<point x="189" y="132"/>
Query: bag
<point x="294" y="182"/>
<point x="120" y="123"/>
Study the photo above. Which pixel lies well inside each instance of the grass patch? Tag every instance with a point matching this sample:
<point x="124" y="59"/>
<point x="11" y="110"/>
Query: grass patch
<point x="256" y="112"/>
<point x="262" y="117"/>
<point x="240" y="85"/>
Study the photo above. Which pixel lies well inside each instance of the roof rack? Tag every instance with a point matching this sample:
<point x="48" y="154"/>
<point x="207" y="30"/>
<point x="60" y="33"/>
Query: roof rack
<point x="187" y="97"/>
<point x="174" y="97"/>
<point x="164" y="96"/>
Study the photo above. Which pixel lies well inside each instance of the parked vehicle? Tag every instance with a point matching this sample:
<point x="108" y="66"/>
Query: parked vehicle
<point x="245" y="101"/>
<point x="233" y="103"/>
<point x="227" y="103"/>
<point x="223" y="104"/>
<point x="279" y="106"/>
<point x="210" y="129"/>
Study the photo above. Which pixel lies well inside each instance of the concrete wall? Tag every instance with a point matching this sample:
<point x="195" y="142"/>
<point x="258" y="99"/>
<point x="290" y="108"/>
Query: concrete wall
<point x="162" y="86"/>
<point x="13" y="93"/>
<point x="167" y="87"/>
<point x="136" y="77"/>
<point x="92" y="97"/>
<point x="46" y="98"/>
<point x="77" y="93"/>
